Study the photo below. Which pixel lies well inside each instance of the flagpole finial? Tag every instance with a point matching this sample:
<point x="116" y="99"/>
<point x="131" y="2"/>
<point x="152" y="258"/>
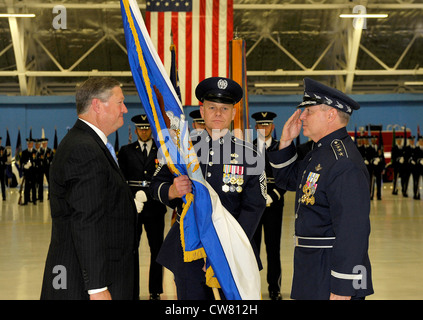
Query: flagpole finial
<point x="236" y="35"/>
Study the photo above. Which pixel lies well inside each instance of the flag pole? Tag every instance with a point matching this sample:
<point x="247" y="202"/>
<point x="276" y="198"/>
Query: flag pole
<point x="216" y="294"/>
<point x="238" y="73"/>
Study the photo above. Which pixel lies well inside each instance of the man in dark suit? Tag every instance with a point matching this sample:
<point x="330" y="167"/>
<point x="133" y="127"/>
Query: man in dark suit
<point x="138" y="161"/>
<point x="93" y="251"/>
<point x="271" y="221"/>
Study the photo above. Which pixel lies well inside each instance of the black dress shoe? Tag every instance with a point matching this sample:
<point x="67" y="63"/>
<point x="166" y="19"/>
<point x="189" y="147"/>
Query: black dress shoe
<point x="275" y="295"/>
<point x="154" y="296"/>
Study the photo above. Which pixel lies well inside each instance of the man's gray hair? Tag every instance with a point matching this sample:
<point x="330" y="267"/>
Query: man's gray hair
<point x="96" y="87"/>
<point x="344" y="117"/>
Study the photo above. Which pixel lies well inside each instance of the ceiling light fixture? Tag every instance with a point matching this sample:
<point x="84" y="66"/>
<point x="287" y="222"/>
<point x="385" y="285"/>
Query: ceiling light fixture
<point x="17" y="15"/>
<point x="365" y="15"/>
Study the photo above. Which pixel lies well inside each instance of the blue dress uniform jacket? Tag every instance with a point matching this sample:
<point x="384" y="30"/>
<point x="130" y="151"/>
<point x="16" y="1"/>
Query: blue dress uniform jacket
<point x="29" y="175"/>
<point x="397" y="153"/>
<point x="246" y="203"/>
<point x="138" y="172"/>
<point x="3" y="160"/>
<point x="332" y="223"/>
<point x="271" y="224"/>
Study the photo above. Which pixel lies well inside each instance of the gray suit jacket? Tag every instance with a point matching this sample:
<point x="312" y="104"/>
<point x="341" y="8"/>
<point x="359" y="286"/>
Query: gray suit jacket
<point x="93" y="222"/>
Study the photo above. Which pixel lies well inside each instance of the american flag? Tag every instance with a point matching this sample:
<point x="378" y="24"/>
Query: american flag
<point x="201" y="32"/>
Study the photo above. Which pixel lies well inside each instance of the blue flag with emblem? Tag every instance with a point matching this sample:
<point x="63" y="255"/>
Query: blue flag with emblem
<point x="207" y="229"/>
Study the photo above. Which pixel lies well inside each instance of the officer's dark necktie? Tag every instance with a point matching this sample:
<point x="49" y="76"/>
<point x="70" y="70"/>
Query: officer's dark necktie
<point x="144" y="150"/>
<point x="112" y="151"/>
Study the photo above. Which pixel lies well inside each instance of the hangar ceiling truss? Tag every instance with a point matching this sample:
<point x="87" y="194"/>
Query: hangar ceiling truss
<point x="286" y="41"/>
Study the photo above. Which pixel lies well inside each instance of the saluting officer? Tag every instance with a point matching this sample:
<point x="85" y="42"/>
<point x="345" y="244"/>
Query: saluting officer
<point x="239" y="182"/>
<point x="271" y="221"/>
<point x="397" y="160"/>
<point x="138" y="161"/>
<point x="3" y="160"/>
<point x="332" y="206"/>
<point x="28" y="163"/>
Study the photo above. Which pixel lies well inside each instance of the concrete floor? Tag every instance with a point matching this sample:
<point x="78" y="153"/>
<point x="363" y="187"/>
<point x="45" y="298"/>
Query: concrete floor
<point x="396" y="249"/>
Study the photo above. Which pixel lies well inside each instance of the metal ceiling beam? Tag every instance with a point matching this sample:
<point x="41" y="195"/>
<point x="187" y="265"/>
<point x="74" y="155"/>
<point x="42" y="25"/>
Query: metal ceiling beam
<point x="287" y="6"/>
<point x="87" y="53"/>
<point x="309" y="72"/>
<point x="19" y="50"/>
<point x="354" y="40"/>
<point x="346" y="72"/>
<point x="251" y="73"/>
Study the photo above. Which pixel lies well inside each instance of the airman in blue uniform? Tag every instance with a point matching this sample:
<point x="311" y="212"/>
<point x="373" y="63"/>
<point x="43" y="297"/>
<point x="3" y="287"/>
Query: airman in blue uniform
<point x="28" y="163"/>
<point x="397" y="160"/>
<point x="138" y="162"/>
<point x="332" y="207"/>
<point x="3" y="160"/>
<point x="417" y="166"/>
<point x="271" y="221"/>
<point x="230" y="165"/>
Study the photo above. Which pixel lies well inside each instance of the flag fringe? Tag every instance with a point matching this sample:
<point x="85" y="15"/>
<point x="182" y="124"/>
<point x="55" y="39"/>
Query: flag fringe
<point x="194" y="254"/>
<point x="211" y="280"/>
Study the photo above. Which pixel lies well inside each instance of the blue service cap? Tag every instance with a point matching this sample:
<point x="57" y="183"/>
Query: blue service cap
<point x="316" y="93"/>
<point x="196" y="116"/>
<point x="141" y="121"/>
<point x="264" y="117"/>
<point x="218" y="89"/>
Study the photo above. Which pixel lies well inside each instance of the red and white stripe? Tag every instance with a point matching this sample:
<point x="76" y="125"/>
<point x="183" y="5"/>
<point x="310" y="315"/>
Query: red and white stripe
<point x="201" y="38"/>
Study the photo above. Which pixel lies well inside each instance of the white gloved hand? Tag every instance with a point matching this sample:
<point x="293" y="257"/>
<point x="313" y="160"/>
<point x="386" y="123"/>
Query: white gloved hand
<point x="376" y="161"/>
<point x="269" y="200"/>
<point x="401" y="160"/>
<point x="27" y="165"/>
<point x="141" y="196"/>
<point x="366" y="162"/>
<point x="139" y="205"/>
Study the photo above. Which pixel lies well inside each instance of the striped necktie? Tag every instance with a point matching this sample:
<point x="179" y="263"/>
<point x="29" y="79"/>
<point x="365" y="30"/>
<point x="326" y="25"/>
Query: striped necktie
<point x="112" y="151"/>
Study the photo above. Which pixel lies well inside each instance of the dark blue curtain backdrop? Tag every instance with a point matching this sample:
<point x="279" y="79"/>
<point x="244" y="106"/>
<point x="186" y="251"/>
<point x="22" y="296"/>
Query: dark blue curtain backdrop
<point x="50" y="112"/>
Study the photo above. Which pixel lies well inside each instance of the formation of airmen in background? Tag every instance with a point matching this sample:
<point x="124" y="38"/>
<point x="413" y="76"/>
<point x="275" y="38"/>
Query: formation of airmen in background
<point x="33" y="164"/>
<point x="406" y="162"/>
